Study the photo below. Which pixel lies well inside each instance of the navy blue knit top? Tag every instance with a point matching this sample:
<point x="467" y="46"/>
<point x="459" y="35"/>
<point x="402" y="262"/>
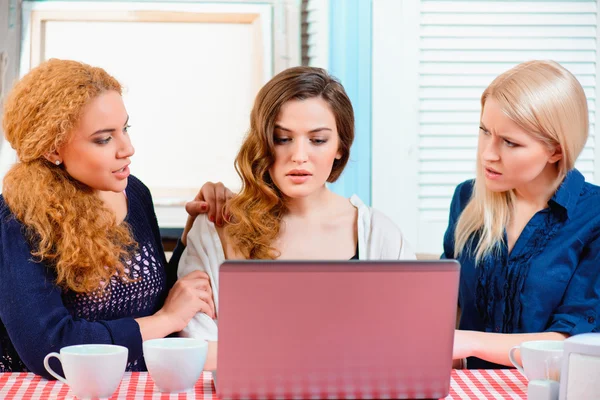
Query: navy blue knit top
<point x="38" y="317"/>
<point x="549" y="282"/>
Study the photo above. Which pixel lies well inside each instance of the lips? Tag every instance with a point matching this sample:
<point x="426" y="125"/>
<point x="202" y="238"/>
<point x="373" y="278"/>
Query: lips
<point x="491" y="174"/>
<point x="298" y="172"/>
<point x="122" y="173"/>
<point x="492" y="171"/>
<point x="298" y="176"/>
<point x="121" y="170"/>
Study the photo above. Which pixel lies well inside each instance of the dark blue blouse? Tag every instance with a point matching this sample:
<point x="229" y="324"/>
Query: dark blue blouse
<point x="550" y="281"/>
<point x="38" y="317"/>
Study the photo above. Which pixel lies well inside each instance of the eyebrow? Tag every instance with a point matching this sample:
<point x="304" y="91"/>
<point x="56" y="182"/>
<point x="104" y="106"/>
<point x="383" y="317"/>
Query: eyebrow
<point x="109" y="130"/>
<point x="320" y="129"/>
<point x="509" y="138"/>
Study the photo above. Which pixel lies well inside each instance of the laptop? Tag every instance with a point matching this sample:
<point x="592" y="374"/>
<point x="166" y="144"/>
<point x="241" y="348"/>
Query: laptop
<point x="336" y="329"/>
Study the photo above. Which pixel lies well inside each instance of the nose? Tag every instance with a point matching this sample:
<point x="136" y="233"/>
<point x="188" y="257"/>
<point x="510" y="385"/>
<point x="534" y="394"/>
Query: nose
<point x="125" y="147"/>
<point x="300" y="152"/>
<point x="488" y="147"/>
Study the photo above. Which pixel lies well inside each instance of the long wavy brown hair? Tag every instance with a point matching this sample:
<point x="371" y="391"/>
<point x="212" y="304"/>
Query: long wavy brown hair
<point x="67" y="224"/>
<point x="256" y="212"/>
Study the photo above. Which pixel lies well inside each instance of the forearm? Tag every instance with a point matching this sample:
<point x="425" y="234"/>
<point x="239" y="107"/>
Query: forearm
<point x="211" y="358"/>
<point x="155" y="326"/>
<point x="494" y="347"/>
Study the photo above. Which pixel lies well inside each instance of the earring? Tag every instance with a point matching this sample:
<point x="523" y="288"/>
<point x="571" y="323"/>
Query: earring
<point x="57" y="162"/>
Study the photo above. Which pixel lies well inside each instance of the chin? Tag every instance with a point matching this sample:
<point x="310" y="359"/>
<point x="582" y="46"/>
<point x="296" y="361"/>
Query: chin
<point x="297" y="192"/>
<point x="497" y="187"/>
<point x="117" y="187"/>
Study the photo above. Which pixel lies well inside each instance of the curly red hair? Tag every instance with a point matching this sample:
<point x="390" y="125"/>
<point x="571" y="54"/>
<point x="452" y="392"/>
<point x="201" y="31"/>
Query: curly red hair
<point x="67" y="224"/>
<point x="256" y="212"/>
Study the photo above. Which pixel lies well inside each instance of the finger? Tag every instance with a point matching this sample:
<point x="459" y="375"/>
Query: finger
<point x="197" y="285"/>
<point x="211" y="305"/>
<point x="207" y="194"/>
<point x="207" y="307"/>
<point x="220" y="202"/>
<point x="196" y="207"/>
<point x="195" y="275"/>
<point x="202" y="285"/>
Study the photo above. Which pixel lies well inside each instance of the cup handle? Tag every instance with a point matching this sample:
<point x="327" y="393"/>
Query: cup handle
<point x="50" y="370"/>
<point x="511" y="356"/>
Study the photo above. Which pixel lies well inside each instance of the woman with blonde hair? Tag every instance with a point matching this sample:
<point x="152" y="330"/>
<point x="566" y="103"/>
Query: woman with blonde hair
<point x="81" y="255"/>
<point x="526" y="230"/>
<point x="301" y="131"/>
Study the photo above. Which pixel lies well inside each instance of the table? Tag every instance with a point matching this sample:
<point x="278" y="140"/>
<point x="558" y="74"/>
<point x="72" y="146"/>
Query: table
<point x="465" y="384"/>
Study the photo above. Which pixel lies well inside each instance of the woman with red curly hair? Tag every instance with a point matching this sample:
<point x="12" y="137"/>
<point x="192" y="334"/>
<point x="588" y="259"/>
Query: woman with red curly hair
<point x="301" y="131"/>
<point x="81" y="254"/>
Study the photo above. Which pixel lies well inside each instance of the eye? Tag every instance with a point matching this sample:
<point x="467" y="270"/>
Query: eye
<point x="508" y="143"/>
<point x="319" y="141"/>
<point x="104" y="140"/>
<point x="281" y="140"/>
<point x="126" y="128"/>
<point x="482" y="130"/>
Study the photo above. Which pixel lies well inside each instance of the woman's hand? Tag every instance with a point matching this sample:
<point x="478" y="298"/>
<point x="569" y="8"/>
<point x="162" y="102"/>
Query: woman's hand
<point x="190" y="295"/>
<point x="211" y="199"/>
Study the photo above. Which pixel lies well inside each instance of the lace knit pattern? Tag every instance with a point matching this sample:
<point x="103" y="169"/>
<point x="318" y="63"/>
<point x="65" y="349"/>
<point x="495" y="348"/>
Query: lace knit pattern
<point x="142" y="296"/>
<point x="123" y="298"/>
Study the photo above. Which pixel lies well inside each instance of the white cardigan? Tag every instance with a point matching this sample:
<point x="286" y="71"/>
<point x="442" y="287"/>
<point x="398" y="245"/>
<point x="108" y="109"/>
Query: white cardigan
<point x="378" y="239"/>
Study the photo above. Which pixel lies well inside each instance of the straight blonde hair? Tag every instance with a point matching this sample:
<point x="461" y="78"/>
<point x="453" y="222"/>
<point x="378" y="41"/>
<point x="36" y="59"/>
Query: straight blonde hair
<point x="549" y="103"/>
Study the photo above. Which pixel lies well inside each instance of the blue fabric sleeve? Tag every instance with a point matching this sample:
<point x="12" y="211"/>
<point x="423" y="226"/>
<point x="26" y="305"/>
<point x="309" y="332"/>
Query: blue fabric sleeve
<point x="33" y="313"/>
<point x="578" y="311"/>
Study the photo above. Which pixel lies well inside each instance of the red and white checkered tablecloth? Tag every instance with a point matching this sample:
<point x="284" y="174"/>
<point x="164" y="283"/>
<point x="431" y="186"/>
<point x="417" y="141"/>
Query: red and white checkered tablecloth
<point x="465" y="384"/>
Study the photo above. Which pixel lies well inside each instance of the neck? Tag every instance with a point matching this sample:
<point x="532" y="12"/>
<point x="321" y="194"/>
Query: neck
<point x="314" y="204"/>
<point x="538" y="192"/>
<point x="114" y="201"/>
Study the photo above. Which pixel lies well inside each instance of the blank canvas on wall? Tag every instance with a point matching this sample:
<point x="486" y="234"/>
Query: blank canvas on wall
<point x="190" y="74"/>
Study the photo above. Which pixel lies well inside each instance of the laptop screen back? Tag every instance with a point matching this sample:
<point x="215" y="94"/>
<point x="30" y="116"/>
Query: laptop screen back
<point x="336" y="329"/>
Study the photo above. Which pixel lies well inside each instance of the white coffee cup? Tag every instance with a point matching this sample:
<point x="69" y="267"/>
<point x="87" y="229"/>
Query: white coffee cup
<point x="91" y="370"/>
<point x="541" y="359"/>
<point x="175" y="364"/>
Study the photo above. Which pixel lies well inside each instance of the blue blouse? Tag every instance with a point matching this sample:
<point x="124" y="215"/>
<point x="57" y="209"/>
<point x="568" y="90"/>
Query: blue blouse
<point x="549" y="282"/>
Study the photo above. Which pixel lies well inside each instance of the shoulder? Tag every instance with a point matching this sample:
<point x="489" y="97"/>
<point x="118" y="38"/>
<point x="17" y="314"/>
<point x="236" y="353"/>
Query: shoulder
<point x="139" y="197"/>
<point x="8" y="221"/>
<point x="377" y="219"/>
<point x="584" y="217"/>
<point x="203" y="251"/>
<point x="137" y="187"/>
<point x="4" y="210"/>
<point x="383" y="223"/>
<point x="464" y="191"/>
<point x="14" y="242"/>
<point x="204" y="232"/>
<point x="461" y="197"/>
<point x="590" y="194"/>
<point x="381" y="234"/>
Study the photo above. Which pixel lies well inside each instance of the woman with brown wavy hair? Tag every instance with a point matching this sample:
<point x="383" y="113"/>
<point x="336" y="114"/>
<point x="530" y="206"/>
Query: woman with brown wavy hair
<point x="301" y="132"/>
<point x="81" y="254"/>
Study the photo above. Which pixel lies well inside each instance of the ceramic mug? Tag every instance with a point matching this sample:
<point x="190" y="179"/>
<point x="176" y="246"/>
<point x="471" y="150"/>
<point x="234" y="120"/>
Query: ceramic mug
<point x="91" y="370"/>
<point x="541" y="359"/>
<point x="175" y="364"/>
